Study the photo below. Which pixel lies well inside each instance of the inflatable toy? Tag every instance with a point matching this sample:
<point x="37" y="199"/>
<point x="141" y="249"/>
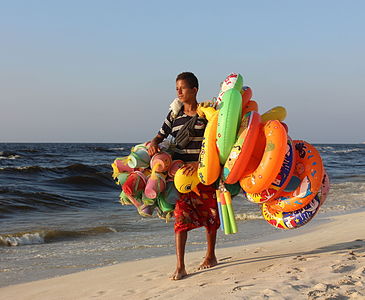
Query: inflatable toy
<point x="163" y="204"/>
<point x="234" y="189"/>
<point x="155" y="184"/>
<point x="305" y="182"/>
<point x="272" y="159"/>
<point x="285" y="126"/>
<point x="171" y="193"/>
<point x="121" y="165"/>
<point x="121" y="178"/>
<point x="146" y="210"/>
<point x="232" y="81"/>
<point x="276" y="113"/>
<point x="184" y="183"/>
<point x="175" y="165"/>
<point x="242" y="149"/>
<point x="250" y="106"/>
<point x="160" y="162"/>
<point x="139" y="157"/>
<point x="124" y="200"/>
<point x="134" y="186"/>
<point x="229" y="119"/>
<point x="209" y="167"/>
<point x="246" y="93"/>
<point x="257" y="154"/>
<point x="297" y="218"/>
<point x="281" y="180"/>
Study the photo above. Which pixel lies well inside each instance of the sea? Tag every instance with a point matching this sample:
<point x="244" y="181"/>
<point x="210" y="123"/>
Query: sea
<point x="60" y="210"/>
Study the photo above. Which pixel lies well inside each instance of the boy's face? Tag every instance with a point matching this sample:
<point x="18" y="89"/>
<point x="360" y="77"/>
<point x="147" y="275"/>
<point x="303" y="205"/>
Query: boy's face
<point x="184" y="92"/>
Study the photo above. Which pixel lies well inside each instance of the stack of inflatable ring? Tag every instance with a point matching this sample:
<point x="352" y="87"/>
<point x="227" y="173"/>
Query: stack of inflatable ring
<point x="286" y="177"/>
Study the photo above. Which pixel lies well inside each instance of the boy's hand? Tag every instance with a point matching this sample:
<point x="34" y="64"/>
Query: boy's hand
<point x="153" y="148"/>
<point x="190" y="168"/>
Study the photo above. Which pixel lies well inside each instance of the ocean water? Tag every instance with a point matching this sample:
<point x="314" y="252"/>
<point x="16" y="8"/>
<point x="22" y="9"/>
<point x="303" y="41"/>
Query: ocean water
<point x="59" y="209"/>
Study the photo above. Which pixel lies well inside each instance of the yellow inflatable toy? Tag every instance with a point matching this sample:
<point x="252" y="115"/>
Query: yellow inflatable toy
<point x="276" y="113"/>
<point x="185" y="184"/>
<point x="209" y="166"/>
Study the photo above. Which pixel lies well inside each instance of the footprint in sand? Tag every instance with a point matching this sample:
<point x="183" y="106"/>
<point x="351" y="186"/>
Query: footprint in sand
<point x="324" y="291"/>
<point x="266" y="268"/>
<point x="347" y="281"/>
<point x="294" y="270"/>
<point x="302" y="258"/>
<point x="225" y="258"/>
<point x="342" y="268"/>
<point x="242" y="287"/>
<point x="360" y="271"/>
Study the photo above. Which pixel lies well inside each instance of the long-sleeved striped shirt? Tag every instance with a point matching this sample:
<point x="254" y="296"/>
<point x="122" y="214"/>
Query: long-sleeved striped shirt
<point x="172" y="126"/>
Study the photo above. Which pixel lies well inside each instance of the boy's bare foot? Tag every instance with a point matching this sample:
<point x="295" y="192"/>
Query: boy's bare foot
<point x="208" y="263"/>
<point x="178" y="274"/>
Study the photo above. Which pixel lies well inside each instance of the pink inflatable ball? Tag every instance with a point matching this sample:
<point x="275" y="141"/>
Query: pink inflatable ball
<point x="122" y="165"/>
<point x="155" y="185"/>
<point x="161" y="162"/>
<point x="134" y="184"/>
<point x="175" y="165"/>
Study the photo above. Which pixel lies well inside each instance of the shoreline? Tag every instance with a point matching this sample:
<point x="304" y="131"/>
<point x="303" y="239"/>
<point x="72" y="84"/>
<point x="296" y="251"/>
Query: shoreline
<point x="325" y="259"/>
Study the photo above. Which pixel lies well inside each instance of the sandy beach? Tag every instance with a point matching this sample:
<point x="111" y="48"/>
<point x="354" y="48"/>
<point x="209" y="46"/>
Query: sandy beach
<point x="323" y="260"/>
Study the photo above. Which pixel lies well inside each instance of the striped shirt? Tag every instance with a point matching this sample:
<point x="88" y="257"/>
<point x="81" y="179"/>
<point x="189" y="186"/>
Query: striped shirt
<point x="171" y="127"/>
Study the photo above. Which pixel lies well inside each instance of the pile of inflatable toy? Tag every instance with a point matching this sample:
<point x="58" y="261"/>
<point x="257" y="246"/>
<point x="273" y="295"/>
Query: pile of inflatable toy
<point x="147" y="183"/>
<point x="240" y="149"/>
<point x="286" y="177"/>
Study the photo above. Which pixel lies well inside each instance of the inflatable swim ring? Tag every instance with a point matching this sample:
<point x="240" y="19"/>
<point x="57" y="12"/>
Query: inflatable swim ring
<point x="281" y="180"/>
<point x="242" y="149"/>
<point x="272" y="159"/>
<point x="297" y="218"/>
<point x="305" y="182"/>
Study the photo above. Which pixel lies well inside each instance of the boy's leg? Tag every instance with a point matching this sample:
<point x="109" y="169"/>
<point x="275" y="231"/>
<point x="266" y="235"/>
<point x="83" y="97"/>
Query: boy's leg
<point x="210" y="259"/>
<point x="180" y="242"/>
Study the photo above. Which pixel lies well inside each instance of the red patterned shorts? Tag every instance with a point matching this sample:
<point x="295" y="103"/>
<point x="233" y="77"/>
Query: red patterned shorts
<point x="193" y="211"/>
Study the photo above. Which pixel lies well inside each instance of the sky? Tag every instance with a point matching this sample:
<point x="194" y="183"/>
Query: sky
<point x="104" y="71"/>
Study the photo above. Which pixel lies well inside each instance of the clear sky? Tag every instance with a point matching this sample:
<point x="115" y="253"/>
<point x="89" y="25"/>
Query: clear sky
<point x="104" y="71"/>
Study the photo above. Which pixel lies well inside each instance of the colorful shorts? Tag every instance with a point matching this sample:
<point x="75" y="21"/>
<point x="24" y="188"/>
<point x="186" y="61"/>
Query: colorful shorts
<point x="193" y="211"/>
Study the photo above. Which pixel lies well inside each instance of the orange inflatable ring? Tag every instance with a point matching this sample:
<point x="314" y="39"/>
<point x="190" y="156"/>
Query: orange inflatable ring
<point x="281" y="180"/>
<point x="257" y="154"/>
<point x="305" y="182"/>
<point x="242" y="149"/>
<point x="297" y="218"/>
<point x="272" y="160"/>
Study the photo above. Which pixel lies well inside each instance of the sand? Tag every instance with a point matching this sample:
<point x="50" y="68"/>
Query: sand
<point x="323" y="260"/>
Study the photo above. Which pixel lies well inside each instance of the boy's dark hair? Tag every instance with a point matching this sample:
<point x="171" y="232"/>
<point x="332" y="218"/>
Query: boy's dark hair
<point x="190" y="78"/>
